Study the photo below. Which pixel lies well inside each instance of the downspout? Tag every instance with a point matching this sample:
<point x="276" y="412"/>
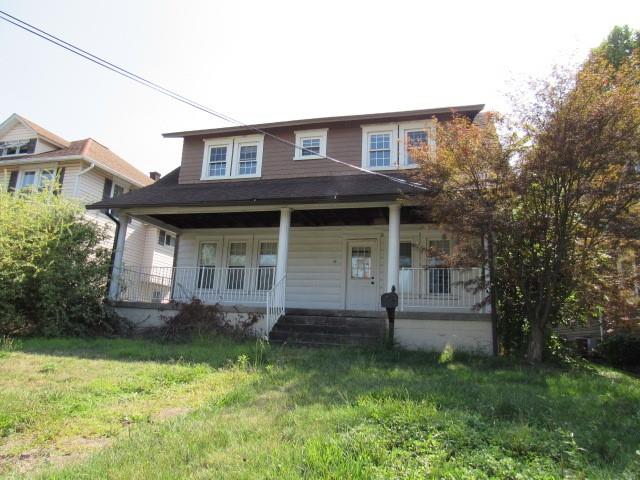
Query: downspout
<point x="113" y="248"/>
<point x="81" y="172"/>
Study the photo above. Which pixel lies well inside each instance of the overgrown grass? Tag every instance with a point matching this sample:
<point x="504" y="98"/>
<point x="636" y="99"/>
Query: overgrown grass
<point x="222" y="409"/>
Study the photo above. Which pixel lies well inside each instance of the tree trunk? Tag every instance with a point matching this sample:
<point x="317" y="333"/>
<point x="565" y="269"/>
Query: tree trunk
<point x="492" y="293"/>
<point x="536" y="343"/>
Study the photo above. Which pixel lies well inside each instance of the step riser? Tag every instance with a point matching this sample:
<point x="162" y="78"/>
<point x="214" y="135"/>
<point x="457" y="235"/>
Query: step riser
<point x="328" y="330"/>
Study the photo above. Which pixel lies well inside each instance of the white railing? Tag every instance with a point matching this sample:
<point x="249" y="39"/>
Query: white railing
<point x="229" y="285"/>
<point x="276" y="302"/>
<point x="424" y="289"/>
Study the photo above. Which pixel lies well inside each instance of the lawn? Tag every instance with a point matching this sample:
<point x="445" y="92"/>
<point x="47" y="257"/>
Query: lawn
<point x="216" y="408"/>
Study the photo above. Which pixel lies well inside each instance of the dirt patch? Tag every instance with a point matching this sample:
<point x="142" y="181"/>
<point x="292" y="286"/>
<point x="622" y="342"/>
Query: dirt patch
<point x="169" y="413"/>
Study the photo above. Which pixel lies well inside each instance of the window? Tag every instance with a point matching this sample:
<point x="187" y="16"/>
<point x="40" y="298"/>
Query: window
<point x="117" y="190"/>
<point x="405" y="255"/>
<point x="267" y="259"/>
<point x="360" y="263"/>
<point x="28" y="179"/>
<point x="379" y="146"/>
<point x="237" y="262"/>
<point x="388" y="146"/>
<point x="439" y="276"/>
<point x="232" y="157"/>
<point x="47" y="177"/>
<point x="164" y="238"/>
<point x="17" y="147"/>
<point x="207" y="265"/>
<point x="310" y="144"/>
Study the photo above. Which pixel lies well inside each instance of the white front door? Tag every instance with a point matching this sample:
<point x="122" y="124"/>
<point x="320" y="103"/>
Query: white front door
<point x="362" y="275"/>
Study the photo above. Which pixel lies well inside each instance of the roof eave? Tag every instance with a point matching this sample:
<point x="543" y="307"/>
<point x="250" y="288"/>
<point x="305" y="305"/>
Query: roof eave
<point x="338" y="119"/>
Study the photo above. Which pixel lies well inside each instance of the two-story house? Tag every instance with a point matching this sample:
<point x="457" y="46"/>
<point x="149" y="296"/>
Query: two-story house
<point x="265" y="222"/>
<point x="87" y="171"/>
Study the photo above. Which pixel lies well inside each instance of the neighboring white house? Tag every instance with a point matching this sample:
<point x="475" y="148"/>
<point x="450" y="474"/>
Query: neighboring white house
<point x="266" y="227"/>
<point x="88" y="171"/>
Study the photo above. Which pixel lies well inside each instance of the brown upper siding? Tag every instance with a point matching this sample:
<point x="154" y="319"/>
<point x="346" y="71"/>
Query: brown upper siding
<point x="344" y="142"/>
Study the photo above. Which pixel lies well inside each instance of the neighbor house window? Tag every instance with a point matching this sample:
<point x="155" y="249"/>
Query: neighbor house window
<point x="28" y="178"/>
<point x="19" y="147"/>
<point x="389" y="146"/>
<point x="47" y="177"/>
<point x="117" y="190"/>
<point x="310" y="144"/>
<point x="165" y="238"/>
<point x="233" y="157"/>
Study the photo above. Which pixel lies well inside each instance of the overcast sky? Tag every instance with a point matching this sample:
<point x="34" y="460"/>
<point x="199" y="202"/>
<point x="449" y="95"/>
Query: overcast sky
<point x="278" y="60"/>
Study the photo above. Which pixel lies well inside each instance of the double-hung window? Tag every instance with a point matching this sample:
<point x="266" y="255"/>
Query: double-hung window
<point x="47" y="177"/>
<point x="267" y="258"/>
<point x="310" y="144"/>
<point x="439" y="280"/>
<point x="393" y="145"/>
<point x="232" y="157"/>
<point x="237" y="262"/>
<point x="28" y="178"/>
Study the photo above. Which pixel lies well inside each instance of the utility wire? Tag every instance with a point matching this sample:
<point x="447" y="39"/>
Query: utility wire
<point x="176" y="96"/>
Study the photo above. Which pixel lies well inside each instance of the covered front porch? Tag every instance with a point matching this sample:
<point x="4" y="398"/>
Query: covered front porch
<point x="332" y="257"/>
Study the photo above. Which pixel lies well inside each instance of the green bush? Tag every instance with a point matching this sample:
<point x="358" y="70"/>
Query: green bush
<point x="53" y="270"/>
<point x="621" y="350"/>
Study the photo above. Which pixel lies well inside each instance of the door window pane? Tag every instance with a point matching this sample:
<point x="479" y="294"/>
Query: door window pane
<point x="267" y="258"/>
<point x="236" y="262"/>
<point x="360" y="263"/>
<point x="207" y="265"/>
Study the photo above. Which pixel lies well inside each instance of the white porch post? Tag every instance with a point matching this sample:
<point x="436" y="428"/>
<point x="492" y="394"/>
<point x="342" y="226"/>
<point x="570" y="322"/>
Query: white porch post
<point x="283" y="243"/>
<point x="393" y="251"/>
<point x="116" y="271"/>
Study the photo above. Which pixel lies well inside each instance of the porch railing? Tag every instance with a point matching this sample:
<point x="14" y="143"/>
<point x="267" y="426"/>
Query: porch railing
<point x="276" y="302"/>
<point x="229" y="285"/>
<point x="423" y="289"/>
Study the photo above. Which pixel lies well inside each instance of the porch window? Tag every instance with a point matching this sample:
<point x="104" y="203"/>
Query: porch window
<point x="237" y="262"/>
<point x="267" y="258"/>
<point x="207" y="265"/>
<point x="439" y="279"/>
<point x="360" y="263"/>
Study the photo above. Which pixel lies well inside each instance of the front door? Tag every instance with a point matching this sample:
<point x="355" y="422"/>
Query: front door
<point x="362" y="275"/>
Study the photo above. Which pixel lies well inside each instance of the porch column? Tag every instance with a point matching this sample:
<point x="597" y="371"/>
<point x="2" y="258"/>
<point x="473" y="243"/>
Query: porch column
<point x="283" y="243"/>
<point x="114" y="286"/>
<point x="393" y="251"/>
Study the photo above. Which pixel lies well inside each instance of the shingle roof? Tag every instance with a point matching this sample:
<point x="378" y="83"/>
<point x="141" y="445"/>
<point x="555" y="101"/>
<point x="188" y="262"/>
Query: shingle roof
<point x="94" y="150"/>
<point x="167" y="192"/>
<point x="43" y="132"/>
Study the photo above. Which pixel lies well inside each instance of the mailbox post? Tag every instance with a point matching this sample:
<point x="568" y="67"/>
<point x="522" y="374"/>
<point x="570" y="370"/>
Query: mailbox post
<point x="389" y="301"/>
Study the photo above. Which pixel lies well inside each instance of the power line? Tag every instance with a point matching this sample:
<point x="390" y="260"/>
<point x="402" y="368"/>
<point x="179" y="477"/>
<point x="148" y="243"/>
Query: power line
<point x="176" y="96"/>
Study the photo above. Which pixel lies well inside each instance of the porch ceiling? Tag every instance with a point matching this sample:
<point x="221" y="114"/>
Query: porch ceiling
<point x="299" y="218"/>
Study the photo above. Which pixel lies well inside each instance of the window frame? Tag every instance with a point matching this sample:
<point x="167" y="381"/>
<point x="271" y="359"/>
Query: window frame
<point x="18" y="145"/>
<point x="233" y="146"/>
<point x="385" y="128"/>
<point x="38" y="175"/>
<point x="320" y="133"/>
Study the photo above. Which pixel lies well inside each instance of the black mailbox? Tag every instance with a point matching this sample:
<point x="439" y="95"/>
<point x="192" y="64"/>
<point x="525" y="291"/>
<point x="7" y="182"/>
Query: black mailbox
<point x="389" y="300"/>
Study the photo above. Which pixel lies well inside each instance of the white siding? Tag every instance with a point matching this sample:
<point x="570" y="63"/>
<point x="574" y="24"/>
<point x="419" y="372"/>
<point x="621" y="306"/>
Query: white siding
<point x="43" y="146"/>
<point x="19" y="132"/>
<point x="317" y="263"/>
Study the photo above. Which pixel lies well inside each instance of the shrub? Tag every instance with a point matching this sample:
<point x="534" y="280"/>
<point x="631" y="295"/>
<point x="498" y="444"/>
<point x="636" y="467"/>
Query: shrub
<point x="197" y="319"/>
<point x="621" y="350"/>
<point x="53" y="270"/>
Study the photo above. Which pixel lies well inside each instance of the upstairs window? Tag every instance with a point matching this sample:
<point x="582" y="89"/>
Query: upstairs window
<point x="165" y="239"/>
<point x="388" y="146"/>
<point x="17" y="147"/>
<point x="310" y="144"/>
<point x="232" y="157"/>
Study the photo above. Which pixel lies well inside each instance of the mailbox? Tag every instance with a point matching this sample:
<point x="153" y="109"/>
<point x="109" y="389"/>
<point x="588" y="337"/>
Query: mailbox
<point x="389" y="301"/>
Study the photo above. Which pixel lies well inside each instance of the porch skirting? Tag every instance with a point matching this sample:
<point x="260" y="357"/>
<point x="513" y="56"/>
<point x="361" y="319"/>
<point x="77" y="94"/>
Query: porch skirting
<point x="429" y="331"/>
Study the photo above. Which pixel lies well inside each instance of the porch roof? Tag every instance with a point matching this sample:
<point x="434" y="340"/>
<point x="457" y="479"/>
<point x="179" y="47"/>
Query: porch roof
<point x="167" y="192"/>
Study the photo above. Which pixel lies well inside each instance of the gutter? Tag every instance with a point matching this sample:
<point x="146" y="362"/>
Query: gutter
<point x="113" y="249"/>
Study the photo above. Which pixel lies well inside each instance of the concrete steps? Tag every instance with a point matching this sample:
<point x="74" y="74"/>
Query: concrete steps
<point x="329" y="329"/>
